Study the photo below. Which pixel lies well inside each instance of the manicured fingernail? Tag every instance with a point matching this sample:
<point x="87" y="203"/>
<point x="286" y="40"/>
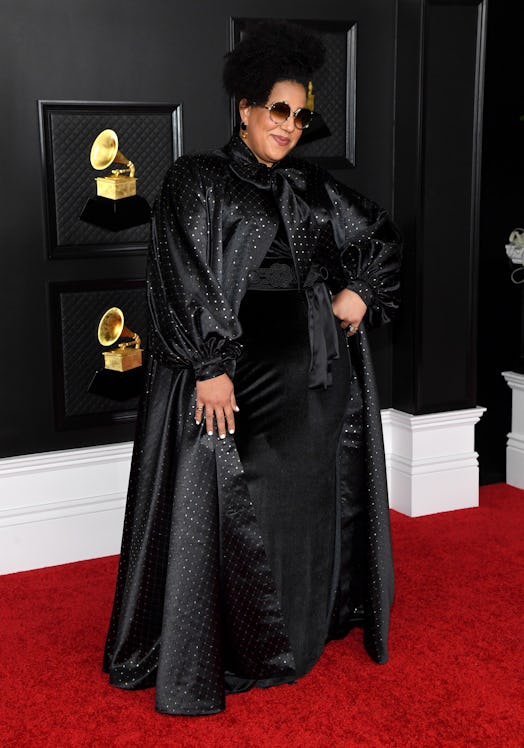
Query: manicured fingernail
<point x="210" y="433"/>
<point x="222" y="436"/>
<point x="236" y="408"/>
<point x="231" y="431"/>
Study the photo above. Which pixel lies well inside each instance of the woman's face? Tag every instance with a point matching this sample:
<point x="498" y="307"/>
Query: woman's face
<point x="268" y="141"/>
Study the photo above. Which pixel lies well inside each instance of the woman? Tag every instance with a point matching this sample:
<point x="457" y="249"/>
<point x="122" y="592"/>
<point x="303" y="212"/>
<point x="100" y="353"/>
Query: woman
<point x="257" y="522"/>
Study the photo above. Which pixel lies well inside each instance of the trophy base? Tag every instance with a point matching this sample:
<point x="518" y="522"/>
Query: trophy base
<point x="116" y="187"/>
<point x="117" y="385"/>
<point x="317" y="130"/>
<point x="116" y="215"/>
<point x="123" y="359"/>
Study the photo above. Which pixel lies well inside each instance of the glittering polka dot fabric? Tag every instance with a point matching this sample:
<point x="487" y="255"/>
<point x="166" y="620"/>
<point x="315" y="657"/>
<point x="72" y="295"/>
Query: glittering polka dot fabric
<point x="195" y="595"/>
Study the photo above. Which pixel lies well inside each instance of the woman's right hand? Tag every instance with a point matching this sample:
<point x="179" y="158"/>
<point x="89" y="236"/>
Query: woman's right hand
<point x="215" y="400"/>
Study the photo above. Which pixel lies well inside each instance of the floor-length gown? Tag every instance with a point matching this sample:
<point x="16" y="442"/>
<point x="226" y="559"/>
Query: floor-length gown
<point x="241" y="556"/>
<point x="287" y="435"/>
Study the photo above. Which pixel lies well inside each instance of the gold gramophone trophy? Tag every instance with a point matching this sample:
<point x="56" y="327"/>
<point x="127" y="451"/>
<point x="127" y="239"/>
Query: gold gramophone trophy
<point x="116" y="205"/>
<point x="104" y="153"/>
<point x="128" y="354"/>
<point x="318" y="128"/>
<point x="310" y="101"/>
<point x="122" y="377"/>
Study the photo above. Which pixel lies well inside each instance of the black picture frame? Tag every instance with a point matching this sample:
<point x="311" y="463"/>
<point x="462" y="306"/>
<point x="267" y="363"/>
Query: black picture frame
<point x="76" y="308"/>
<point x="335" y="87"/>
<point x="150" y="134"/>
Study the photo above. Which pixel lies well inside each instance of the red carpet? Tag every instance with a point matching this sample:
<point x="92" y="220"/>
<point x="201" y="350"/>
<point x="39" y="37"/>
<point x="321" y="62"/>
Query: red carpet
<point x="452" y="680"/>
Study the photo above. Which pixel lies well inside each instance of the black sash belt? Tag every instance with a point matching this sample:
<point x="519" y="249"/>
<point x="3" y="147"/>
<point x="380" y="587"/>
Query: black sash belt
<point x="279" y="275"/>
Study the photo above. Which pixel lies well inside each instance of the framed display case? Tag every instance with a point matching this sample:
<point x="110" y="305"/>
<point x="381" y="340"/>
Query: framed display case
<point x="76" y="310"/>
<point x="150" y="135"/>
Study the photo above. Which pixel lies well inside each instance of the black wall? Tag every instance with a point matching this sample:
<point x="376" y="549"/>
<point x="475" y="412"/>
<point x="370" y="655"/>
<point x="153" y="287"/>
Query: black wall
<point x="501" y="303"/>
<point x="157" y="51"/>
<point x="437" y="188"/>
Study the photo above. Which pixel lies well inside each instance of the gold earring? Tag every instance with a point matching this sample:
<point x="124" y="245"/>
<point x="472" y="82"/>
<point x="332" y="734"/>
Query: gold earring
<point x="243" y="130"/>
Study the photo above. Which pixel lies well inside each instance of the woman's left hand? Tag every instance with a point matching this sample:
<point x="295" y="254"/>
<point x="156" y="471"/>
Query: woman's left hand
<point x="349" y="308"/>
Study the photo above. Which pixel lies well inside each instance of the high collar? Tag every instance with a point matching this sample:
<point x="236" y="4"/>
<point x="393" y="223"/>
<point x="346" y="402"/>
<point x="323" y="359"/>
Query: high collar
<point x="246" y="166"/>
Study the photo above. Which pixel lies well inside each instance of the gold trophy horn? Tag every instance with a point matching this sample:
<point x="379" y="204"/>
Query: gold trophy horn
<point x="104" y="152"/>
<point x="310" y="102"/>
<point x="127" y="355"/>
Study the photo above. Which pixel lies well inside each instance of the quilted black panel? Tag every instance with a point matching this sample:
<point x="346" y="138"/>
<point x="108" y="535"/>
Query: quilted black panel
<point x="330" y="89"/>
<point x="147" y="138"/>
<point x="81" y="353"/>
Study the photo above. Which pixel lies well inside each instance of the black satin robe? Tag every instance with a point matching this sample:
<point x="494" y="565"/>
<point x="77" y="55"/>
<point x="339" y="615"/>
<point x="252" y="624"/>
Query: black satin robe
<point x="195" y="596"/>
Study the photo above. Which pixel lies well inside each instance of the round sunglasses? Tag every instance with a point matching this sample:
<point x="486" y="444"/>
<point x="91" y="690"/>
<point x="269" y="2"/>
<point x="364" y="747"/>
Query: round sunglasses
<point x="280" y="111"/>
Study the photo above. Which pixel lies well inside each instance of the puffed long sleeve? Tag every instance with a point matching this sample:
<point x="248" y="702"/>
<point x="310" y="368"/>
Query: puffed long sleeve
<point x="193" y="320"/>
<point x="370" y="251"/>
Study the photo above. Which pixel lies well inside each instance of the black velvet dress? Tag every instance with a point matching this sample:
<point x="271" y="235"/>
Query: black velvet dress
<point x="241" y="556"/>
<point x="287" y="435"/>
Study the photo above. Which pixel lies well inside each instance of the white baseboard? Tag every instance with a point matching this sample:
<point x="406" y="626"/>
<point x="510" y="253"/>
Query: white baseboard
<point x="431" y="462"/>
<point x="515" y="444"/>
<point x="59" y="507"/>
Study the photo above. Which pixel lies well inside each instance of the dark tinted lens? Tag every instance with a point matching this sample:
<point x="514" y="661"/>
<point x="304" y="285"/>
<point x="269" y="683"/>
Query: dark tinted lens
<point x="303" y="118"/>
<point x="279" y="112"/>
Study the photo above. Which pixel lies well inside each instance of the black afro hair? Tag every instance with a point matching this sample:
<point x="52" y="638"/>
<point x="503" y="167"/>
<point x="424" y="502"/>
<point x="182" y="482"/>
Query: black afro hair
<point x="271" y="51"/>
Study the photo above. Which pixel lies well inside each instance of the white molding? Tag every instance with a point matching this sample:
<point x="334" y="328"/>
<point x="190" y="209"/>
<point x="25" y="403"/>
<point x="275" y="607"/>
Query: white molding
<point x="431" y="462"/>
<point x="59" y="507"/>
<point x="514" y="379"/>
<point x="515" y="443"/>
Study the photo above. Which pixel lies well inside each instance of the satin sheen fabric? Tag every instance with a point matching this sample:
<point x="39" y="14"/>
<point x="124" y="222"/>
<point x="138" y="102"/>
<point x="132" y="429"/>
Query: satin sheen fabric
<point x="287" y="435"/>
<point x="195" y="594"/>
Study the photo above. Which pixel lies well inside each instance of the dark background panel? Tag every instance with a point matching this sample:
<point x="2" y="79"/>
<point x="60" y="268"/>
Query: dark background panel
<point x="439" y="87"/>
<point x="407" y="200"/>
<point x="132" y="51"/>
<point x="500" y="302"/>
<point x="68" y="130"/>
<point x="172" y="52"/>
<point x="448" y="203"/>
<point x="336" y="85"/>
<point x="467" y="302"/>
<point x="77" y="309"/>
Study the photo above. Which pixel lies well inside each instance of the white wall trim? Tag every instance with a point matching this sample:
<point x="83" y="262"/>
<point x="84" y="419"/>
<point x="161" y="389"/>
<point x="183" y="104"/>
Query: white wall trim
<point x="515" y="443"/>
<point x="58" y="510"/>
<point x="59" y="507"/>
<point x="431" y="462"/>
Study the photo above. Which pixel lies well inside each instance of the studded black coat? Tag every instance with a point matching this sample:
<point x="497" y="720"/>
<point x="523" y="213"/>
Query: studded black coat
<point x="195" y="596"/>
